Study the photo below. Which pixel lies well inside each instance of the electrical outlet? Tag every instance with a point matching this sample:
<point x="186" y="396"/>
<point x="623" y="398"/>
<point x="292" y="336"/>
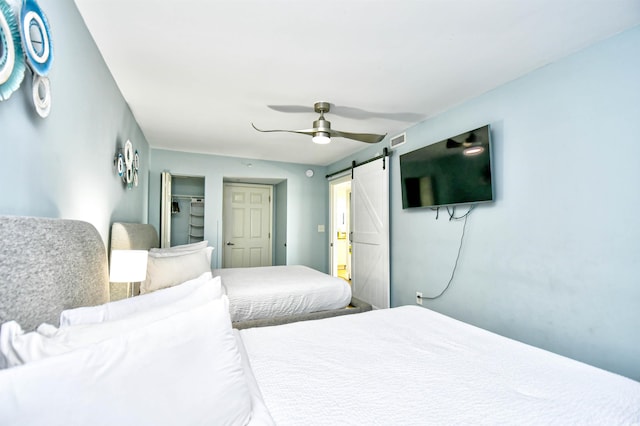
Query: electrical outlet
<point x="419" y="297"/>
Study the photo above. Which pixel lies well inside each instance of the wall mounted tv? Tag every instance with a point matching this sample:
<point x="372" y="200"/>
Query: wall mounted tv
<point x="454" y="171"/>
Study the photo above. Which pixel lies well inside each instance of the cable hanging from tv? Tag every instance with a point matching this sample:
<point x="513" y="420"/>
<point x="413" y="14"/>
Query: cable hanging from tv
<point x="452" y="216"/>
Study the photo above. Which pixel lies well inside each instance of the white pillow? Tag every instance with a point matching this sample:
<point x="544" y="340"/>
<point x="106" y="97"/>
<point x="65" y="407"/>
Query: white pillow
<point x="182" y="370"/>
<point x="184" y="247"/>
<point x="18" y="348"/>
<point x="166" y="270"/>
<point x="122" y="308"/>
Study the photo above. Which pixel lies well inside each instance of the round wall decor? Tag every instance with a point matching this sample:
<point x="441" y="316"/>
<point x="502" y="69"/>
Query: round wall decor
<point x="11" y="63"/>
<point x="41" y="92"/>
<point x="36" y="37"/>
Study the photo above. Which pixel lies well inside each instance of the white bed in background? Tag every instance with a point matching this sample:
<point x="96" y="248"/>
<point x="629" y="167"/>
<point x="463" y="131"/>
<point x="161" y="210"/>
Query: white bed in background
<point x="278" y="291"/>
<point x="261" y="296"/>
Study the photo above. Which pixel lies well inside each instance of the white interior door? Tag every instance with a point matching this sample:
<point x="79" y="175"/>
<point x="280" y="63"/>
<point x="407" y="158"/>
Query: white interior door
<point x="370" y="239"/>
<point x="246" y="225"/>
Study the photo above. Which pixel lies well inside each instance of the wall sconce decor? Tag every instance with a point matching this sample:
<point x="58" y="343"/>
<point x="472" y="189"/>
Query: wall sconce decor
<point x="25" y="41"/>
<point x="127" y="164"/>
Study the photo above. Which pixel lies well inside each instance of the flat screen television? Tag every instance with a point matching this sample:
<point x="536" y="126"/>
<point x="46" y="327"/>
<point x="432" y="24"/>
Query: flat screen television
<point x="451" y="172"/>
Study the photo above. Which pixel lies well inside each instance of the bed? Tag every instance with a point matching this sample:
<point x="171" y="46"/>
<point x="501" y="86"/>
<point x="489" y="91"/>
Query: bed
<point x="405" y="365"/>
<point x="261" y="293"/>
<point x="262" y="296"/>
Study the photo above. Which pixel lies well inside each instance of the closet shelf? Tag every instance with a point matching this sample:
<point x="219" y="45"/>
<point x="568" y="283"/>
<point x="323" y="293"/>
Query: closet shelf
<point x="196" y="219"/>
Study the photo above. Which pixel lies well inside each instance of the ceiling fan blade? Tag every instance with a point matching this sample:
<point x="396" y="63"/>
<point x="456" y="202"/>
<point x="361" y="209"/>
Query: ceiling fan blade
<point x="308" y="132"/>
<point x="353" y="113"/>
<point x="291" y="108"/>
<point x="361" y="137"/>
<point x="453" y="144"/>
<point x="361" y="114"/>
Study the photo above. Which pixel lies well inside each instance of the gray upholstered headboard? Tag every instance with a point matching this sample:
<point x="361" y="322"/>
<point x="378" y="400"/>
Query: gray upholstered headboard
<point x="133" y="236"/>
<point x="48" y="265"/>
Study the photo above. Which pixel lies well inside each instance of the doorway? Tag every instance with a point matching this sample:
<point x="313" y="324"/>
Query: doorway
<point x="182" y="210"/>
<point x="247" y="225"/>
<point x="359" y="212"/>
<point x="340" y="202"/>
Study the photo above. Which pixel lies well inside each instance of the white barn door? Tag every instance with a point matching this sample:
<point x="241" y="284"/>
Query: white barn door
<point x="370" y="238"/>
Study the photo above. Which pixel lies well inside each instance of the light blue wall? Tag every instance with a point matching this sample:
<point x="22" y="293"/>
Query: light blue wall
<point x="61" y="166"/>
<point x="555" y="261"/>
<point x="306" y="199"/>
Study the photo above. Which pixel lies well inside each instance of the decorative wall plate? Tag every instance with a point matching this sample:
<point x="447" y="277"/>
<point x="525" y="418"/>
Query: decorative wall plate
<point x="128" y="154"/>
<point x="41" y="92"/>
<point x="136" y="161"/>
<point x="36" y="37"/>
<point x="11" y="54"/>
<point x="120" y="165"/>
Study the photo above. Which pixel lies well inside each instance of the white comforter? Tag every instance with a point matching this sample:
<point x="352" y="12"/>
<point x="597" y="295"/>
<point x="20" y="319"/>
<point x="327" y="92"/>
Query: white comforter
<point x="274" y="291"/>
<point x="410" y="365"/>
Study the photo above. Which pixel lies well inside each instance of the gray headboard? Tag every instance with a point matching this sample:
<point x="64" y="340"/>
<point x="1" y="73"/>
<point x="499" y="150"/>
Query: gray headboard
<point x="133" y="236"/>
<point x="48" y="265"/>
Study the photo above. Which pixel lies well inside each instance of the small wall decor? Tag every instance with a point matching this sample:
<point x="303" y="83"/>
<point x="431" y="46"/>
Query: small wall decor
<point x="126" y="164"/>
<point x="41" y="94"/>
<point x="38" y="49"/>
<point x="36" y="38"/>
<point x="11" y="54"/>
<point x="25" y="41"/>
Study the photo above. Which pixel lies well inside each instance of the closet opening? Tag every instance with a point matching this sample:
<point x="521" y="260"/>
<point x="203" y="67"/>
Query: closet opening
<point x="183" y="210"/>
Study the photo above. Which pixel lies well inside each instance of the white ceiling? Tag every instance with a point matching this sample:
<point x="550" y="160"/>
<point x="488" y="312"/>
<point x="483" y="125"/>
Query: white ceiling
<point x="197" y="73"/>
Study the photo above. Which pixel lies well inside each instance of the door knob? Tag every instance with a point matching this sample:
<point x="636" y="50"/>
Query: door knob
<point x="229" y="243"/>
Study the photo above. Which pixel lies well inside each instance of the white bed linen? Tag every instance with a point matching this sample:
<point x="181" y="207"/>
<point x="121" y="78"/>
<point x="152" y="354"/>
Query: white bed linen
<point x="275" y="291"/>
<point x="410" y="365"/>
<point x="260" y="415"/>
<point x="184" y="369"/>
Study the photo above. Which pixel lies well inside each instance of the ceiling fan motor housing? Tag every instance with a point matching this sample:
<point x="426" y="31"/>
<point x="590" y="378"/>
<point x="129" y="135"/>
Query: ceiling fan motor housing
<point x="321" y="107"/>
<point x="322" y="125"/>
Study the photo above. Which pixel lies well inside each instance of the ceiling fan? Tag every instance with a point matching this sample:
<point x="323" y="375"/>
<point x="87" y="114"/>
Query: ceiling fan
<point x="471" y="144"/>
<point x="322" y="132"/>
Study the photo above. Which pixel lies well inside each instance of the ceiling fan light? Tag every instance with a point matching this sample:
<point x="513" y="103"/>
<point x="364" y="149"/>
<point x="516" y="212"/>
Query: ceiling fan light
<point x="321" y="138"/>
<point x="473" y="150"/>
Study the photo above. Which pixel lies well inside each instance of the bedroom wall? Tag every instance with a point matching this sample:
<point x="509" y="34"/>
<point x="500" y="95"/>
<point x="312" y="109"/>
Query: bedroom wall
<point x="555" y="260"/>
<point x="306" y="200"/>
<point x="61" y="166"/>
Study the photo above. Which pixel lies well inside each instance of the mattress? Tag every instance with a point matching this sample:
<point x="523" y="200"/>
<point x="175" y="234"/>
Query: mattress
<point x="276" y="291"/>
<point x="410" y="365"/>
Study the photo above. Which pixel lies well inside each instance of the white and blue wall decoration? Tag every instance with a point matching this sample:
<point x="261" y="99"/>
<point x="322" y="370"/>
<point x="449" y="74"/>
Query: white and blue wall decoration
<point x="127" y="163"/>
<point x="25" y="41"/>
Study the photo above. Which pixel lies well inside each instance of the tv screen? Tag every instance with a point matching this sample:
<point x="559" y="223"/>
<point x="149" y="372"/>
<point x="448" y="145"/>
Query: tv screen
<point x="453" y="171"/>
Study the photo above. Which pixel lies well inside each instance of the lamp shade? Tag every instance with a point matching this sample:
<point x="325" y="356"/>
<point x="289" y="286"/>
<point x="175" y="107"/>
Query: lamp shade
<point x="128" y="266"/>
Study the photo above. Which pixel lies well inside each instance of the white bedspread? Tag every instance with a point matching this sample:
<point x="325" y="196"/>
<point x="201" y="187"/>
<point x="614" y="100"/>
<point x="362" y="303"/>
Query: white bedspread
<point x="273" y="291"/>
<point x="410" y="365"/>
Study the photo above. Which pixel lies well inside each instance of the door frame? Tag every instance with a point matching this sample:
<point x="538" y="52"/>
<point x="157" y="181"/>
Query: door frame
<point x="333" y="226"/>
<point x="271" y="213"/>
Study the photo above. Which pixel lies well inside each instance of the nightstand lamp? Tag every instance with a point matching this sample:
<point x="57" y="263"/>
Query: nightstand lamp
<point x="128" y="266"/>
